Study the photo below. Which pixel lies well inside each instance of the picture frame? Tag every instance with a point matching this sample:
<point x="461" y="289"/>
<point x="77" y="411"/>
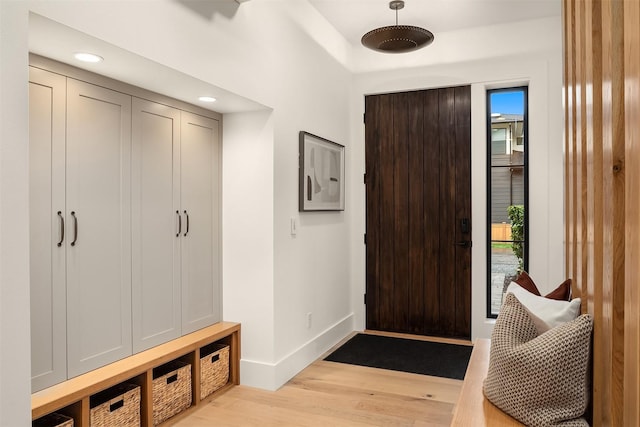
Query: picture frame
<point x="321" y="174"/>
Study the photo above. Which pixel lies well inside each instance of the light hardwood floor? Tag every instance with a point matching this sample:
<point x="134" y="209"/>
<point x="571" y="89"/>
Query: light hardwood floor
<point x="335" y="394"/>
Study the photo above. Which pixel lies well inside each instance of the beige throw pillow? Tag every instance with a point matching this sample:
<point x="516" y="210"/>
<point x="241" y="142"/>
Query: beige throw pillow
<point x="539" y="379"/>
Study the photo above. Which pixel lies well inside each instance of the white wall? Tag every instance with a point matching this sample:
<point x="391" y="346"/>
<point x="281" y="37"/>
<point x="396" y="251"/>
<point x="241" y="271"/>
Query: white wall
<point x="538" y="64"/>
<point x="15" y="402"/>
<point x="312" y="267"/>
<point x="248" y="238"/>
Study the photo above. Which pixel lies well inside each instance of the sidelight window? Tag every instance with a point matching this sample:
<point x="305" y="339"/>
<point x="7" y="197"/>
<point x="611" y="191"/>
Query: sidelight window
<point x="507" y="189"/>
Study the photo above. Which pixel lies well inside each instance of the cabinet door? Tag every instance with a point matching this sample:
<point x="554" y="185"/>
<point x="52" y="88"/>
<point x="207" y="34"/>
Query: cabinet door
<point x="156" y="243"/>
<point x="47" y="93"/>
<point x="99" y="226"/>
<point x="200" y="185"/>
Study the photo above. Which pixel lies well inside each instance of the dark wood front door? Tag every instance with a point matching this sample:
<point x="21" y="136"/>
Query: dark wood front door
<point x="418" y="187"/>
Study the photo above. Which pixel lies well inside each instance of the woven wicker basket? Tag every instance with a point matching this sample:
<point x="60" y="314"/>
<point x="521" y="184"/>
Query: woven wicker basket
<point x="116" y="406"/>
<point x="214" y="368"/>
<point x="53" y="420"/>
<point x="171" y="390"/>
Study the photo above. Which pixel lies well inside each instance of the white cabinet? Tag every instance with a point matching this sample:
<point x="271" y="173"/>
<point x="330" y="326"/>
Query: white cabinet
<point x="80" y="247"/>
<point x="155" y="214"/>
<point x="98" y="218"/>
<point x="125" y="222"/>
<point x="47" y="94"/>
<point x="176" y="185"/>
<point x="200" y="196"/>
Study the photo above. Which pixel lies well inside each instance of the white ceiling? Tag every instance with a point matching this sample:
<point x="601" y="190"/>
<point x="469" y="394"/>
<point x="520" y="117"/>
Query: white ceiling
<point x="56" y="41"/>
<point x="353" y="18"/>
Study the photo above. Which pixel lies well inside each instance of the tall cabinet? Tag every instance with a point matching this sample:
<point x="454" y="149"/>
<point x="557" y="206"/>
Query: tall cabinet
<point x="176" y="184"/>
<point x="125" y="225"/>
<point x="98" y="222"/>
<point x="200" y="184"/>
<point x="155" y="215"/>
<point x="80" y="228"/>
<point x="47" y="98"/>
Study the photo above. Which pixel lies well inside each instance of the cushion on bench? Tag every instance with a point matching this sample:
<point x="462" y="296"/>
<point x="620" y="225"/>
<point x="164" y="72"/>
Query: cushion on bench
<point x="539" y="379"/>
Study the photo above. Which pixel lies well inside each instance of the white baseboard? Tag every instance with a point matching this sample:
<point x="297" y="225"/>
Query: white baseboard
<point x="271" y="376"/>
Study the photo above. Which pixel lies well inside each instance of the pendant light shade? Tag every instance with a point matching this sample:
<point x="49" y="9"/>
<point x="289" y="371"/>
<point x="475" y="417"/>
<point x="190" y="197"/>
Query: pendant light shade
<point x="397" y="38"/>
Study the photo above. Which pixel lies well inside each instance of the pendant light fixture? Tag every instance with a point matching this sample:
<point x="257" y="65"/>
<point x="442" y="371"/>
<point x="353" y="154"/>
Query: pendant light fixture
<point x="397" y="38"/>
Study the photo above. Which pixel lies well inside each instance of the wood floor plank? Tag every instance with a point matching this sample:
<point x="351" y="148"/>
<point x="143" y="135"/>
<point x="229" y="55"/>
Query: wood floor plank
<point x="402" y="384"/>
<point x="244" y="412"/>
<point x="335" y="394"/>
<point x="320" y="408"/>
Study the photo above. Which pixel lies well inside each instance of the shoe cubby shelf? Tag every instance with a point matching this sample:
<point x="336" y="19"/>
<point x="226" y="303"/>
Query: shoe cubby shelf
<point x="72" y="397"/>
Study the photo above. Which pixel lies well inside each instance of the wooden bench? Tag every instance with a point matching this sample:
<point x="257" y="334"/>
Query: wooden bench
<point x="72" y="397"/>
<point x="472" y="408"/>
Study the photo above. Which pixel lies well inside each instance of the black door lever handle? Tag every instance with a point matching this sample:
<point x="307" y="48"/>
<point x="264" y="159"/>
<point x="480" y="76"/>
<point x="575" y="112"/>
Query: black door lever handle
<point x="464" y="243"/>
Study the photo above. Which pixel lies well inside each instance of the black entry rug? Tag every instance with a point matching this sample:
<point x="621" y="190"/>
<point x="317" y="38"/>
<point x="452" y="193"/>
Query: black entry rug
<point x="400" y="354"/>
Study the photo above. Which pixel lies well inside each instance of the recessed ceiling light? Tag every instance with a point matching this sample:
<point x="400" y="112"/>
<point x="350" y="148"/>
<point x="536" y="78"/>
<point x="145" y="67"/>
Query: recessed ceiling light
<point x="207" y="99"/>
<point x="88" y="57"/>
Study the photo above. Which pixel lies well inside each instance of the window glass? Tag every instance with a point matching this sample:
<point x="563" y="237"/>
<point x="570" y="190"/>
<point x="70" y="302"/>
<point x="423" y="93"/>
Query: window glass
<point x="507" y="191"/>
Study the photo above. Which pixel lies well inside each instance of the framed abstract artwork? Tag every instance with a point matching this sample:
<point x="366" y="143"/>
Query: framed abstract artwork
<point x="321" y="176"/>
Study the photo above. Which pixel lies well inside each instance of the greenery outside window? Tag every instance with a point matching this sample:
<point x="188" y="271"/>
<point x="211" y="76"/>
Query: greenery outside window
<point x="507" y="191"/>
